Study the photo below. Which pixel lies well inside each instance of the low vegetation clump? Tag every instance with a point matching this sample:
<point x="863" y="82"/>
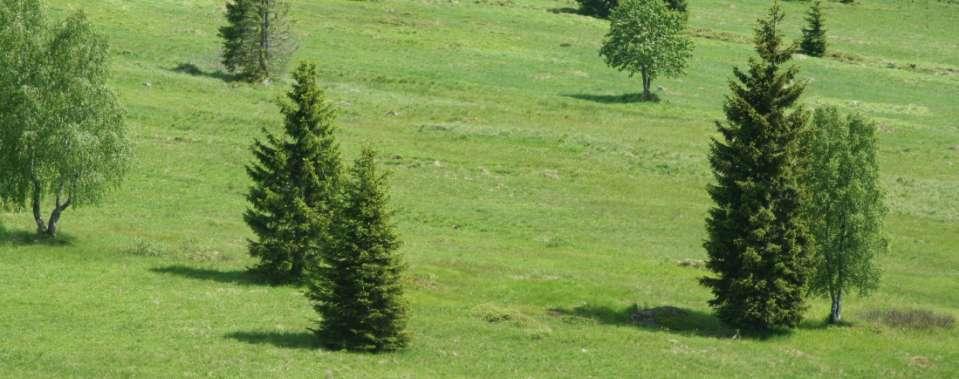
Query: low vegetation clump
<point x="906" y="318"/>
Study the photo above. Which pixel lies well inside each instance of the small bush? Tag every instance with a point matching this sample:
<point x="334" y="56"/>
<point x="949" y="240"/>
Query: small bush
<point x="145" y="248"/>
<point x="597" y="8"/>
<point x="911" y="318"/>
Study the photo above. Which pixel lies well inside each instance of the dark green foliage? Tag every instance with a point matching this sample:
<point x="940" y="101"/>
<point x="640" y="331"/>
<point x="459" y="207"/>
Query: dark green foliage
<point x="759" y="244"/>
<point x="814" y="34"/>
<point x="597" y="8"/>
<point x="357" y="290"/>
<point x="845" y="206"/>
<point x="296" y="180"/>
<point x="256" y="40"/>
<point x="603" y="8"/>
<point x="677" y="5"/>
<point x="62" y="134"/>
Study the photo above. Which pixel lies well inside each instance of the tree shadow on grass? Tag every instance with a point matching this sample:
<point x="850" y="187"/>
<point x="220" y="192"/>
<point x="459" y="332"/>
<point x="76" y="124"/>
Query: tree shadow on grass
<point x="230" y="277"/>
<point x="663" y="319"/>
<point x="567" y="10"/>
<point x="192" y="70"/>
<point x="288" y="340"/>
<point x="628" y="98"/>
<point x="29" y="238"/>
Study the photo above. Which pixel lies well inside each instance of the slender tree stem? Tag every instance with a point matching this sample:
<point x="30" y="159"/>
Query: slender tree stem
<point x="37" y="215"/>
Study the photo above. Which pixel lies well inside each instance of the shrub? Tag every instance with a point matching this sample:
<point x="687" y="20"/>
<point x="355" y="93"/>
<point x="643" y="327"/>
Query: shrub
<point x="911" y="318"/>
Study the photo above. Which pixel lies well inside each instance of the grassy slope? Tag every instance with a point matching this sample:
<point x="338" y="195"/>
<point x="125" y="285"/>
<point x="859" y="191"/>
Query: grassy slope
<point x="525" y="191"/>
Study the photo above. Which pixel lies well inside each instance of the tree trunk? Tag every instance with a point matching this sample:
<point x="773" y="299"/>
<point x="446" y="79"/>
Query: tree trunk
<point x="647" y="82"/>
<point x="265" y="38"/>
<point x="835" y="316"/>
<point x="37" y="216"/>
<point x="55" y="215"/>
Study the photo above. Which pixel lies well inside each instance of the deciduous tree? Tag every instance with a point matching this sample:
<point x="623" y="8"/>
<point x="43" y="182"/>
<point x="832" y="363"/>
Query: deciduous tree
<point x="845" y="206"/>
<point x="62" y="134"/>
<point x="645" y="37"/>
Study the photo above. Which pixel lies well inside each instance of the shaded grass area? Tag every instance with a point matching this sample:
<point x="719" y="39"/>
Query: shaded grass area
<point x="238" y="277"/>
<point x="288" y="340"/>
<point x="663" y="318"/>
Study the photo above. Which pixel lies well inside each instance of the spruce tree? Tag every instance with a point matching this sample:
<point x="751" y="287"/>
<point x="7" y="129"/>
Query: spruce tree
<point x="814" y="34"/>
<point x="296" y="184"/>
<point x="845" y="206"/>
<point x="257" y="41"/>
<point x="758" y="243"/>
<point x="356" y="289"/>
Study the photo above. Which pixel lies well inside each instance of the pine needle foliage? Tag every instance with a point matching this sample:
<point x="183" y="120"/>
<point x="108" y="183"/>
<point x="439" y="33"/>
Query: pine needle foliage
<point x="758" y="243"/>
<point x="257" y="41"/>
<point x="603" y="8"/>
<point x="814" y="34"/>
<point x="357" y="290"/>
<point x="845" y="206"/>
<point x="296" y="180"/>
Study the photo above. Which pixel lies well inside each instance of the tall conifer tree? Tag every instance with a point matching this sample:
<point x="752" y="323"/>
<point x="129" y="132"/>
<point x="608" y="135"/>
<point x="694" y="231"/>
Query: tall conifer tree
<point x="257" y="41"/>
<point x="758" y="242"/>
<point x="356" y="289"/>
<point x="814" y="34"/>
<point x="296" y="182"/>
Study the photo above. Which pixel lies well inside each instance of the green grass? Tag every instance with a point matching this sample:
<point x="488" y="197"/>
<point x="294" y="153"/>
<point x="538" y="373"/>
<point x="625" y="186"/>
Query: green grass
<point x="536" y="208"/>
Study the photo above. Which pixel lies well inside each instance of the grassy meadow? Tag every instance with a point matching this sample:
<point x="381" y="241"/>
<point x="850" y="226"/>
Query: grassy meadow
<point x="536" y="201"/>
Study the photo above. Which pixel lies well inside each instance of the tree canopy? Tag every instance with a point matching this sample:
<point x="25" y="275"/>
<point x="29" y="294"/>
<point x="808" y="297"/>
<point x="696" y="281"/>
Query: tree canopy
<point x="758" y="242"/>
<point x="63" y="133"/>
<point x="845" y="206"/>
<point x="646" y="37"/>
<point x="295" y="188"/>
<point x="257" y="41"/>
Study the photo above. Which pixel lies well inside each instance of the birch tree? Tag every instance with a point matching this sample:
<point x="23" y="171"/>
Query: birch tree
<point x="845" y="207"/>
<point x="63" y="139"/>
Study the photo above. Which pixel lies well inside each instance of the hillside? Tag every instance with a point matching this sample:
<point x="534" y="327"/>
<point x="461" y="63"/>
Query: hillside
<point x="536" y="203"/>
